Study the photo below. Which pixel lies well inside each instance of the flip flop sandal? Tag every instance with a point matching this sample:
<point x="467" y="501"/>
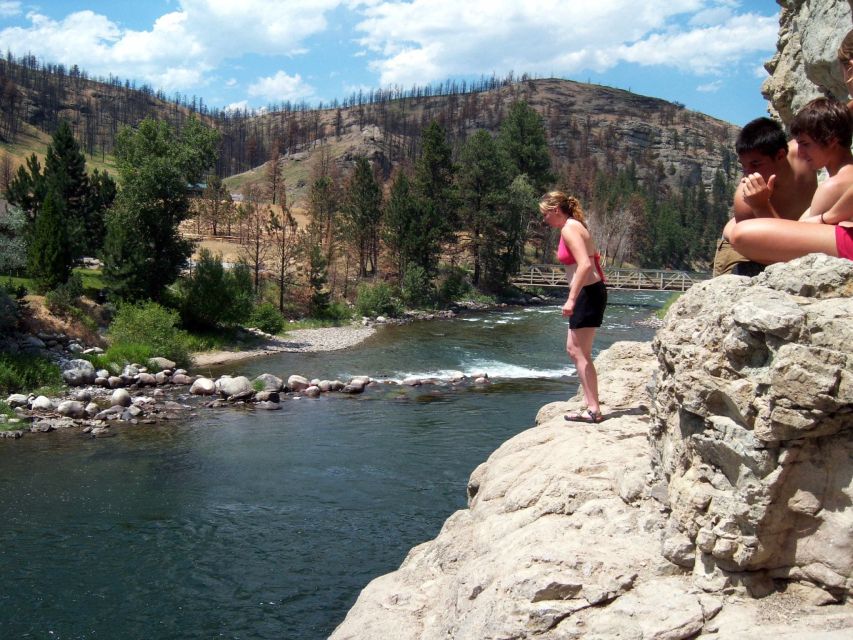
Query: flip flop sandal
<point x="587" y="415"/>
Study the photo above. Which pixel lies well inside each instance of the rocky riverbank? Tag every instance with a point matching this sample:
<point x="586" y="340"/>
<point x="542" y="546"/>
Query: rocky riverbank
<point x="100" y="400"/>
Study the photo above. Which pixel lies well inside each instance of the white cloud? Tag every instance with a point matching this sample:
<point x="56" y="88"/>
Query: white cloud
<point x="759" y="71"/>
<point x="238" y="106"/>
<point x="9" y="9"/>
<point x="710" y="87"/>
<point x="426" y="40"/>
<point x="281" y="87"/>
<point x="181" y="47"/>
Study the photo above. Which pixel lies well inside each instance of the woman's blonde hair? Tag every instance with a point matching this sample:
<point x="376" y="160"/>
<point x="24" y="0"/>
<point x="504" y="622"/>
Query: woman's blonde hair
<point x="845" y="49"/>
<point x="568" y="205"/>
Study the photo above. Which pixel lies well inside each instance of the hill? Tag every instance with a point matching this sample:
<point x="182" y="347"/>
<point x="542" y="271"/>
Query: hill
<point x="589" y="128"/>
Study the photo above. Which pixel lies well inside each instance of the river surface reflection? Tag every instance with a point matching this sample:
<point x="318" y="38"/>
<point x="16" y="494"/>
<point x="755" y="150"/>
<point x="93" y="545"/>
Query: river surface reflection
<point x="266" y="525"/>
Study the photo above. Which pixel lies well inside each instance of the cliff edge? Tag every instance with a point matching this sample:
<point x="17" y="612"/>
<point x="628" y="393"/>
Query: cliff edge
<point x="722" y="475"/>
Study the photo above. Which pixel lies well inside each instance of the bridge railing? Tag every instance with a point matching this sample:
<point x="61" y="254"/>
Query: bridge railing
<point x="549" y="275"/>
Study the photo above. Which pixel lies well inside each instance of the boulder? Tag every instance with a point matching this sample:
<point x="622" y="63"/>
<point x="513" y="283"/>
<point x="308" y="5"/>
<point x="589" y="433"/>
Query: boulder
<point x="17" y="400"/>
<point x="297" y="383"/>
<point x="42" y="403"/>
<point x="160" y="364"/>
<point x="312" y="392"/>
<point x="203" y="387"/>
<point x="181" y="379"/>
<point x="71" y="409"/>
<point x="753" y="400"/>
<point x="78" y="373"/>
<point x="236" y="386"/>
<point x="146" y="380"/>
<point x="120" y="398"/>
<point x="269" y="382"/>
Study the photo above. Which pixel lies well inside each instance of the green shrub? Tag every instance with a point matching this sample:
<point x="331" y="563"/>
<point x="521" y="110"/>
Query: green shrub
<point x="377" y="300"/>
<point x="453" y="284"/>
<point x="337" y="311"/>
<point x="416" y="289"/>
<point x="20" y="373"/>
<point x="212" y="296"/>
<point x="153" y="326"/>
<point x="62" y="300"/>
<point x="267" y="318"/>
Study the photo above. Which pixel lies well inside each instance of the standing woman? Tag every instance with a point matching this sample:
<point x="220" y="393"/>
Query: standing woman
<point x="587" y="292"/>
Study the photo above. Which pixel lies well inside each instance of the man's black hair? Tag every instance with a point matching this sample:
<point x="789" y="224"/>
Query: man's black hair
<point x="763" y="135"/>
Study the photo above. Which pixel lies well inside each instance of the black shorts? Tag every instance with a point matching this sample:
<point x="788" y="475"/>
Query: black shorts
<point x="589" y="307"/>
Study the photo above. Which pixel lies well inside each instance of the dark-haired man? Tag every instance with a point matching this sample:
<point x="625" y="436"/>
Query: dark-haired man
<point x="776" y="184"/>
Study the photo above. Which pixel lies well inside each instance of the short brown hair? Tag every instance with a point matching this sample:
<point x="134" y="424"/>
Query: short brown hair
<point x="824" y="119"/>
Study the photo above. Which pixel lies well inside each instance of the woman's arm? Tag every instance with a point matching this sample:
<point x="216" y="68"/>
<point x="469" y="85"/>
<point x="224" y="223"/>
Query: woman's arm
<point x="575" y="242"/>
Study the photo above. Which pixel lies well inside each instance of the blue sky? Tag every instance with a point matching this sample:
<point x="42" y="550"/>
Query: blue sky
<point x="707" y="54"/>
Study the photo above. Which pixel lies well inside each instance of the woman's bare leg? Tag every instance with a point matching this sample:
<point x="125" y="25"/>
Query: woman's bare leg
<point x="579" y="347"/>
<point x="769" y="240"/>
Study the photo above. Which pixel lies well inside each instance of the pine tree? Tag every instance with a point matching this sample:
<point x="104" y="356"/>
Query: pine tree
<point x="399" y="221"/>
<point x="522" y="137"/>
<point x="434" y="188"/>
<point x="483" y="180"/>
<point x="49" y="256"/>
<point x="143" y="250"/>
<point x="362" y="211"/>
<point x="65" y="166"/>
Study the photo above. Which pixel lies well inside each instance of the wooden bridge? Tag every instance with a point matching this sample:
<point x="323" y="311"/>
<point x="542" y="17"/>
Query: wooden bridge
<point x="552" y="275"/>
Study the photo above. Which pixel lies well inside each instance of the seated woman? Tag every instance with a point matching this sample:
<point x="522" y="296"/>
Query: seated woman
<point x="823" y="130"/>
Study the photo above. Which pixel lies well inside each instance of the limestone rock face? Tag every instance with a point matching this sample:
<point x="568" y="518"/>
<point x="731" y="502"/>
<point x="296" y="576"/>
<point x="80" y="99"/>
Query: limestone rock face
<point x="805" y="65"/>
<point x="752" y="424"/>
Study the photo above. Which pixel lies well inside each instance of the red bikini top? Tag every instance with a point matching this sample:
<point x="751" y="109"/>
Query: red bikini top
<point x="564" y="255"/>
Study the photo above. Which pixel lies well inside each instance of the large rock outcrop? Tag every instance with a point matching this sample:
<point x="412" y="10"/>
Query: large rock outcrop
<point x="752" y="426"/>
<point x="805" y="65"/>
<point x="664" y="523"/>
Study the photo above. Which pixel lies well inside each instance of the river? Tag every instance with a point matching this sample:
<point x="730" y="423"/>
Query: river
<point x="267" y="525"/>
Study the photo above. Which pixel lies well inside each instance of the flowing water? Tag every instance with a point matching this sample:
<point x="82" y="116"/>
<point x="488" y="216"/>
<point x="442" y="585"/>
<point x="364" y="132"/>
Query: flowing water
<point x="236" y="524"/>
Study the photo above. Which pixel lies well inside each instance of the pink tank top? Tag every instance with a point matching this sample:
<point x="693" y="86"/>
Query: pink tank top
<point x="565" y="257"/>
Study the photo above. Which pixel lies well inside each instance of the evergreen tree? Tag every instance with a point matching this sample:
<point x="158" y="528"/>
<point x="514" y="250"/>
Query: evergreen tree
<point x="144" y="251"/>
<point x="49" y="256"/>
<point x="27" y="188"/>
<point x="523" y="138"/>
<point x="399" y="220"/>
<point x="436" y="199"/>
<point x="102" y="194"/>
<point x="65" y="167"/>
<point x="362" y="211"/>
<point x="483" y="181"/>
<point x="318" y="276"/>
<point x="212" y="297"/>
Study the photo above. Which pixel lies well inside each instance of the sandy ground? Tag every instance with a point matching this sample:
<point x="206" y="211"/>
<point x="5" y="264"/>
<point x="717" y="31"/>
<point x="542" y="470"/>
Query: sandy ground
<point x="299" y="340"/>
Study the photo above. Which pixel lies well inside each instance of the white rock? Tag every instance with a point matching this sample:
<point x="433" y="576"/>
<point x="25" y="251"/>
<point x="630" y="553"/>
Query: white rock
<point x="42" y="403"/>
<point x="120" y="398"/>
<point x="203" y="387"/>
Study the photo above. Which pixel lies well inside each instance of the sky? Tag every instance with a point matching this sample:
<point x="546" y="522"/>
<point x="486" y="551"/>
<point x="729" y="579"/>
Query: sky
<point x="706" y="54"/>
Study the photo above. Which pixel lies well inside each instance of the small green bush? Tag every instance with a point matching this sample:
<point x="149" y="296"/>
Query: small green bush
<point x="453" y="284"/>
<point x="416" y="289"/>
<point x="212" y="296"/>
<point x="61" y="301"/>
<point x="151" y="325"/>
<point x="377" y="300"/>
<point x="20" y="373"/>
<point x="267" y="318"/>
<point x="337" y="312"/>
